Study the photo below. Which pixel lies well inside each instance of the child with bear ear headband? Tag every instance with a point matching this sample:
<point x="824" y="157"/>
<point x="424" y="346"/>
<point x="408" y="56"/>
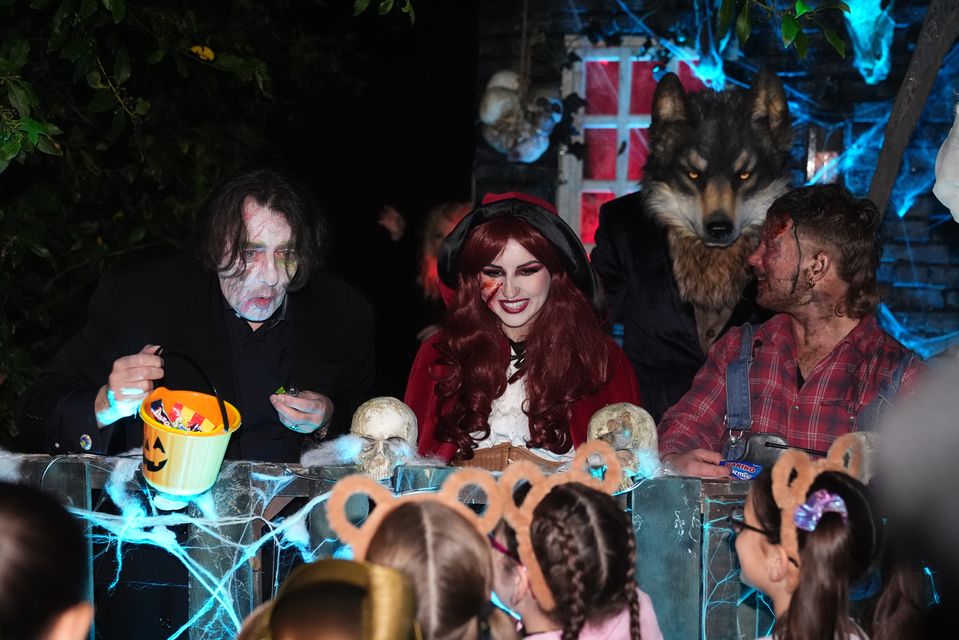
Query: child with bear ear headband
<point x="807" y="533"/>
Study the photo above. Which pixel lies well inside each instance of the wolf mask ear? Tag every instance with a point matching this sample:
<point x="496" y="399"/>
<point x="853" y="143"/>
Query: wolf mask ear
<point x="768" y="102"/>
<point x="669" y="101"/>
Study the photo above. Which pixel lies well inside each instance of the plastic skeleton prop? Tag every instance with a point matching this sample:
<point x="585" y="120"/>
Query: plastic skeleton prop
<point x="514" y="124"/>
<point x="389" y="431"/>
<point x="631" y="431"/>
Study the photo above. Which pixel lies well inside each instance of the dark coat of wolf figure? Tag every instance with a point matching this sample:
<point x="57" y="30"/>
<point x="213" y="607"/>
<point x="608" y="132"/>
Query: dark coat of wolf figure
<point x="672" y="257"/>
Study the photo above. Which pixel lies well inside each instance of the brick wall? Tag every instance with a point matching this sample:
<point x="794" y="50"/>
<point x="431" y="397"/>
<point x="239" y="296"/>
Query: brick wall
<point x="920" y="267"/>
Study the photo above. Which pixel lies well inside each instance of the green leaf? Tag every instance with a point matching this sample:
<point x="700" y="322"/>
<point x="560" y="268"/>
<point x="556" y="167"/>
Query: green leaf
<point x="142" y="107"/>
<point x="385" y="7"/>
<point x="137" y="235"/>
<point x="87" y="8"/>
<point x="95" y="81"/>
<point x="836" y="41"/>
<point x="118" y="125"/>
<point x="103" y="100"/>
<point x="22" y="97"/>
<point x="408" y="8"/>
<point x="39" y="4"/>
<point x="18" y="53"/>
<point x="841" y="6"/>
<point x="802" y="44"/>
<point x="359" y="6"/>
<point x="121" y="66"/>
<point x="156" y="56"/>
<point x="49" y="147"/>
<point x="117" y="8"/>
<point x="744" y="26"/>
<point x="726" y="12"/>
<point x="801" y="8"/>
<point x="9" y="149"/>
<point x="40" y="250"/>
<point x="790" y="27"/>
<point x="31" y="127"/>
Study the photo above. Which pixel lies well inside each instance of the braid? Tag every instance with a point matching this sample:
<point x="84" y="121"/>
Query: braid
<point x="570" y="608"/>
<point x="632" y="595"/>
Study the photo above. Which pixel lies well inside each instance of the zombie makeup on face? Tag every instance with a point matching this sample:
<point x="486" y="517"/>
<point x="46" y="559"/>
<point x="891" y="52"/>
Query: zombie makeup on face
<point x="257" y="287"/>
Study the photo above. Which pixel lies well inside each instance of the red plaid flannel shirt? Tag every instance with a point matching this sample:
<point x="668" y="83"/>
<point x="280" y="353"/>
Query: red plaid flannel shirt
<point x="825" y="408"/>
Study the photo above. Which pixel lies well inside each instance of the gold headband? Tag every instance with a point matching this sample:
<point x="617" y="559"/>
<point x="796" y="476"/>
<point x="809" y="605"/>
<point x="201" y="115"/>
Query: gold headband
<point x="520" y="518"/>
<point x="793" y="474"/>
<point x="389" y="608"/>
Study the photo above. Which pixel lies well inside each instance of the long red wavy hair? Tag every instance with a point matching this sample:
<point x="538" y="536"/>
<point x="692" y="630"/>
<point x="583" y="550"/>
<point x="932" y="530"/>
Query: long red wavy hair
<point x="566" y="348"/>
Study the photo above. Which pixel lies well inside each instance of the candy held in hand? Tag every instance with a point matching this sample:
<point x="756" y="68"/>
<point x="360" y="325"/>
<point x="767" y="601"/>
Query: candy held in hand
<point x="742" y="470"/>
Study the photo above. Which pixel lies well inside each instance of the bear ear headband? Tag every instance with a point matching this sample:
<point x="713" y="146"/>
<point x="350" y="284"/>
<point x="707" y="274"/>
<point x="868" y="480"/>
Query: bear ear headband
<point x="794" y="473"/>
<point x="520" y="518"/>
<point x="358" y="537"/>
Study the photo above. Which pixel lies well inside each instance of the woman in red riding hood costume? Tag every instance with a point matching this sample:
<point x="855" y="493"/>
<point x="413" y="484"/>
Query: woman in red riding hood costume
<point x="521" y="361"/>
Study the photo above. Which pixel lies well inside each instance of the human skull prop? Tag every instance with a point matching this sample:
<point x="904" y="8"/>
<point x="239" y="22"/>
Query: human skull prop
<point x="631" y="431"/>
<point x="389" y="430"/>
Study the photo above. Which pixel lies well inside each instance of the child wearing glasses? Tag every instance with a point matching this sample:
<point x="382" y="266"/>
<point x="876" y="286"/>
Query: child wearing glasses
<point x="584" y="544"/>
<point x="837" y="540"/>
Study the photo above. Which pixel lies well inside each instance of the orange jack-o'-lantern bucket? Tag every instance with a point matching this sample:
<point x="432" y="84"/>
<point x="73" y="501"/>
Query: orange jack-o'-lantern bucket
<point x="180" y="462"/>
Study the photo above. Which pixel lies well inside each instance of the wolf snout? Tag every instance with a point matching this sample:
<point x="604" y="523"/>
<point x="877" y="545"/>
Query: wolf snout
<point x="719" y="229"/>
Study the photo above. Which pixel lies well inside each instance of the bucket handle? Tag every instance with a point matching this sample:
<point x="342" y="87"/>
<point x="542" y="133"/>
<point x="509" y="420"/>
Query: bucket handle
<point x="161" y="350"/>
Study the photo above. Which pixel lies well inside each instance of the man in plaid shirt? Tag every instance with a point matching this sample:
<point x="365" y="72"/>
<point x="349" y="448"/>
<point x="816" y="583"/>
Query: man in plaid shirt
<point x="822" y="360"/>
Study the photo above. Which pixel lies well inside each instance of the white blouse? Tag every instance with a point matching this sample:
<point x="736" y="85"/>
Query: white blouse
<point x="508" y="423"/>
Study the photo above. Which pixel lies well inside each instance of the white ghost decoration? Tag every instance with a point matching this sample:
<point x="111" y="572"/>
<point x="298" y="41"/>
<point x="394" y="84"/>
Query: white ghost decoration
<point x="947" y="170"/>
<point x="389" y="430"/>
<point x="631" y="431"/>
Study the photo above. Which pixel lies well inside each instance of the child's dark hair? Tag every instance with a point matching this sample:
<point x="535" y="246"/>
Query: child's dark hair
<point x="831" y="558"/>
<point x="43" y="562"/>
<point x="583" y="541"/>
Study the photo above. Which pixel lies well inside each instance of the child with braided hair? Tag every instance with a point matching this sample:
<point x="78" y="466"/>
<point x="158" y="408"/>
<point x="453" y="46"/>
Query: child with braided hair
<point x="583" y="542"/>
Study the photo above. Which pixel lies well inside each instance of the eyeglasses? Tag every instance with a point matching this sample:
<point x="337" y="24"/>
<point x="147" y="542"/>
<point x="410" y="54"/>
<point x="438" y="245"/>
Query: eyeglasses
<point x="737" y="522"/>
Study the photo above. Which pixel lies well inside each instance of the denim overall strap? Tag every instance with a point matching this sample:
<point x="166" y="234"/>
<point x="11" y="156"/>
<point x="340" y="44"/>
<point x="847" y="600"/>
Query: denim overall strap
<point x="871" y="416"/>
<point x="738" y="410"/>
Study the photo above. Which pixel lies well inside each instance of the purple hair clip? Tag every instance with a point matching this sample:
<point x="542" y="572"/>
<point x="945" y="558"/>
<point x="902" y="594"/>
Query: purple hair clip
<point x="808" y="515"/>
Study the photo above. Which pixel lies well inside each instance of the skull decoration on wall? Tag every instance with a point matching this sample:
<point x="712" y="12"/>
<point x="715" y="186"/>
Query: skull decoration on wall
<point x="631" y="431"/>
<point x="517" y="122"/>
<point x="389" y="430"/>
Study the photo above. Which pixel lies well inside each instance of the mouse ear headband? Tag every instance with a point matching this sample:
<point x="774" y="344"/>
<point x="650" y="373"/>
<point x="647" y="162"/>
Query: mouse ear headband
<point x="793" y="474"/>
<point x="593" y="455"/>
<point x="358" y="537"/>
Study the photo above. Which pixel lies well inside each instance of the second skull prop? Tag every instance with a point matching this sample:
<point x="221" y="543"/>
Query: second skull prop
<point x="389" y="430"/>
<point x="631" y="431"/>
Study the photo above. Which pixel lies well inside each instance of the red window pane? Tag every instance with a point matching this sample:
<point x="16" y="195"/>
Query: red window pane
<point x="688" y="78"/>
<point x="642" y="87"/>
<point x="602" y="87"/>
<point x="600" y="161"/>
<point x="638" y="152"/>
<point x="589" y="205"/>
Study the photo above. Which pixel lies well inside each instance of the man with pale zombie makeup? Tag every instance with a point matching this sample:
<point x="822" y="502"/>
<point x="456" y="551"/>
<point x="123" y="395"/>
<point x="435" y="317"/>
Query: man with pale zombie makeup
<point x="251" y="309"/>
<point x="821" y="367"/>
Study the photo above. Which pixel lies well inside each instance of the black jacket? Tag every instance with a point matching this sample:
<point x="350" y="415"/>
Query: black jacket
<point x="633" y="262"/>
<point x="175" y="303"/>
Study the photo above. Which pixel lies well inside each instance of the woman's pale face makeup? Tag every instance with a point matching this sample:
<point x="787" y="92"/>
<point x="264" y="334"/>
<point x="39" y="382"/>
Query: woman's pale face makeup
<point x="515" y="286"/>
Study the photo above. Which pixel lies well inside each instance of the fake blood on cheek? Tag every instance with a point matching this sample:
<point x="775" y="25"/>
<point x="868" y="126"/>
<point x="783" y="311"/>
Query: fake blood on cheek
<point x="488" y="289"/>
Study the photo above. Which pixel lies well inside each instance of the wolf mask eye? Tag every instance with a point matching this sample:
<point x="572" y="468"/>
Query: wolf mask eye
<point x="744" y="175"/>
<point x="693" y="175"/>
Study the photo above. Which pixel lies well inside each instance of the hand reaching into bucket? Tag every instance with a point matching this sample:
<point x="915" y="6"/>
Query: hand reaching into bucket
<point x="131" y="379"/>
<point x="303" y="412"/>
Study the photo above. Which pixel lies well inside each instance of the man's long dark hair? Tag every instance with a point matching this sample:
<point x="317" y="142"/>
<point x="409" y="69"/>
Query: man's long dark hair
<point x="220" y="232"/>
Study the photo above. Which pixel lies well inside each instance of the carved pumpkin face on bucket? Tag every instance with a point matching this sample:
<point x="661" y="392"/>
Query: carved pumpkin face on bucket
<point x="157" y="449"/>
